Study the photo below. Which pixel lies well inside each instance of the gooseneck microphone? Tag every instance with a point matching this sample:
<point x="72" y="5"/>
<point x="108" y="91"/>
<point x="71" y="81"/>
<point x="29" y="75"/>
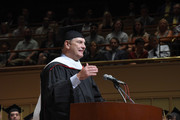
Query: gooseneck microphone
<point x="117" y="86"/>
<point x="111" y="78"/>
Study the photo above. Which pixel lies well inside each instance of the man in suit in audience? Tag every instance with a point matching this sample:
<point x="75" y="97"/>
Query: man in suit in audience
<point x="115" y="53"/>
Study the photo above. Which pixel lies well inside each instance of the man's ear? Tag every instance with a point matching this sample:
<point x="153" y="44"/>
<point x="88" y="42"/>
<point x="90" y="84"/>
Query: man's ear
<point x="67" y="43"/>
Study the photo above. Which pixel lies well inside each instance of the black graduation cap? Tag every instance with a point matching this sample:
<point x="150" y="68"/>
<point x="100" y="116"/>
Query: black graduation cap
<point x="165" y="112"/>
<point x="68" y="33"/>
<point x="175" y="110"/>
<point x="13" y="108"/>
<point x="29" y="117"/>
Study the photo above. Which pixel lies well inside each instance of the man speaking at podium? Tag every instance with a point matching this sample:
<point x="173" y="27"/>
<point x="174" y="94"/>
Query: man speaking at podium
<point x="64" y="80"/>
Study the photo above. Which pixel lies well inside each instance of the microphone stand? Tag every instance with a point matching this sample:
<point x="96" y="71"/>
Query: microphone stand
<point x="117" y="86"/>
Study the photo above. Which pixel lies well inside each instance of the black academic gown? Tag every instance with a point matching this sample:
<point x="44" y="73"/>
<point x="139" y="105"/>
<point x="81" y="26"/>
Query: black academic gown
<point x="57" y="92"/>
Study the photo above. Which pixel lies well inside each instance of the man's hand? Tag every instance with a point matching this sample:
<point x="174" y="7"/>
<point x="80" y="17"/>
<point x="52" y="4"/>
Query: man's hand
<point x="88" y="70"/>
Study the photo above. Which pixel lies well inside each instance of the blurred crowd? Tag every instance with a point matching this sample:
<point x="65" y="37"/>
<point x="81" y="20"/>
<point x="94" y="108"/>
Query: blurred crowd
<point x="138" y="35"/>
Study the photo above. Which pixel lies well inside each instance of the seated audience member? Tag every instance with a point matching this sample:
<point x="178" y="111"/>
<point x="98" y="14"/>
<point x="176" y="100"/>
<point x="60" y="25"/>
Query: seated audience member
<point x="93" y="53"/>
<point x="94" y="36"/>
<point x="14" y="112"/>
<point x="89" y="15"/>
<point x="71" y="17"/>
<point x="86" y="27"/>
<point x="163" y="30"/>
<point x="175" y="45"/>
<point x="117" y="31"/>
<point x="145" y="18"/>
<point x="26" y="57"/>
<point x="19" y="30"/>
<point x="138" y="32"/>
<point x="115" y="53"/>
<point x="49" y="42"/>
<point x="174" y="18"/>
<point x="9" y="18"/>
<point x="107" y="22"/>
<point x="51" y="16"/>
<point x="132" y="10"/>
<point x="5" y="31"/>
<point x="4" y="55"/>
<point x="44" y="28"/>
<point x="176" y="30"/>
<point x="27" y="16"/>
<point x="166" y="8"/>
<point x="157" y="50"/>
<point x="139" y="51"/>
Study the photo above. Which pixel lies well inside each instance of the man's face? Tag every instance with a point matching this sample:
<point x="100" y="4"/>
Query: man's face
<point x="93" y="30"/>
<point x="140" y="46"/>
<point x="27" y="34"/>
<point x="14" y="115"/>
<point x="118" y="25"/>
<point x="76" y="48"/>
<point x="114" y="44"/>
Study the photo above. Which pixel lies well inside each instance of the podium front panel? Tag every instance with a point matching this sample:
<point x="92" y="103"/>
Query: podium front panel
<point x="114" y="111"/>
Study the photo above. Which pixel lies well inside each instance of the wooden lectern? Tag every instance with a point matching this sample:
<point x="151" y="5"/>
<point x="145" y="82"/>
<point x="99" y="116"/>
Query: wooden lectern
<point x="114" y="111"/>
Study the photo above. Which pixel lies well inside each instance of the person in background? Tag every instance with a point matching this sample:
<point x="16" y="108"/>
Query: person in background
<point x="42" y="30"/>
<point x="26" y="13"/>
<point x="175" y="42"/>
<point x="117" y="31"/>
<point x="93" y="53"/>
<point x="164" y="31"/>
<point x="46" y="56"/>
<point x="9" y="18"/>
<point x="89" y="16"/>
<point x="94" y="36"/>
<point x="157" y="50"/>
<point x="14" y="112"/>
<point x="166" y="8"/>
<point x="174" y="115"/>
<point x="132" y="10"/>
<point x="138" y="32"/>
<point x="115" y="53"/>
<point x="26" y="57"/>
<point x="71" y="18"/>
<point x="51" y="16"/>
<point x="174" y="18"/>
<point x="164" y="114"/>
<point x="145" y="18"/>
<point x="4" y="55"/>
<point x="64" y="80"/>
<point x="107" y="22"/>
<point x="19" y="30"/>
<point x="176" y="30"/>
<point x="5" y="32"/>
<point x="139" y="51"/>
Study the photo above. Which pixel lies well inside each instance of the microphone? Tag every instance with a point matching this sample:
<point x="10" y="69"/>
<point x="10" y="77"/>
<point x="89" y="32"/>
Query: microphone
<point x="111" y="78"/>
